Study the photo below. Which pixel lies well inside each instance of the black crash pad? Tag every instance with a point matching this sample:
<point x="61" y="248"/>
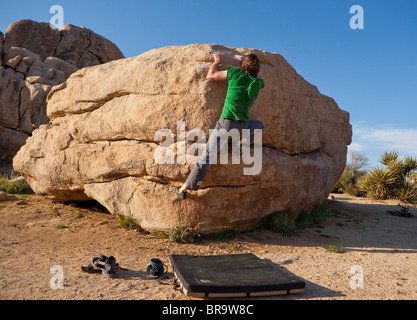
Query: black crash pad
<point x="238" y="275"/>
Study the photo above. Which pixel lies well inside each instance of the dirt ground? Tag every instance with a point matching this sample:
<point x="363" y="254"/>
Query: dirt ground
<point x="379" y="246"/>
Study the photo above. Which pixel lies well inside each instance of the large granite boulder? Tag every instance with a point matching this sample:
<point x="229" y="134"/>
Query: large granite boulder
<point x="34" y="58"/>
<point x="102" y="142"/>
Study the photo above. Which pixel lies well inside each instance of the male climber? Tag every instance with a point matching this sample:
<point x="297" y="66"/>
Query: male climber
<point x="244" y="86"/>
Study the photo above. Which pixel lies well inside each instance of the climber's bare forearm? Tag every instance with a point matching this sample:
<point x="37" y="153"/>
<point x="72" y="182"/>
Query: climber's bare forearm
<point x="213" y="70"/>
<point x="214" y="73"/>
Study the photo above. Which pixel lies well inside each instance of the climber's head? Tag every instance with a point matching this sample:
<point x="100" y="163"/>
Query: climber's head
<point x="251" y="65"/>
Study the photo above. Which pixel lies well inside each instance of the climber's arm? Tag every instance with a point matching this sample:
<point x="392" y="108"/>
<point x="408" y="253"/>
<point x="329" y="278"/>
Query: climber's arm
<point x="214" y="73"/>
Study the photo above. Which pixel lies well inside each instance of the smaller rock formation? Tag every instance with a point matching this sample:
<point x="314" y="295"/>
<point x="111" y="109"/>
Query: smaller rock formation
<point x="34" y="58"/>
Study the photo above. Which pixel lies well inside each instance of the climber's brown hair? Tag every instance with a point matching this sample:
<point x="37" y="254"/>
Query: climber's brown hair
<point x="251" y="65"/>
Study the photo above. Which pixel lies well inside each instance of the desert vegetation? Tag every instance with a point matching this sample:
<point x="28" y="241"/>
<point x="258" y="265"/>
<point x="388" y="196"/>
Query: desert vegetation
<point x="14" y="184"/>
<point x="396" y="178"/>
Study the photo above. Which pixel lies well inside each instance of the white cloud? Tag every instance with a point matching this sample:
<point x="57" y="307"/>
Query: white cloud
<point x="375" y="141"/>
<point x="402" y="140"/>
<point x="355" y="146"/>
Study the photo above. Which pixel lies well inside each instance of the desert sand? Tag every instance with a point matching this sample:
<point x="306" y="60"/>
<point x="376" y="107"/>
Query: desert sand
<point x="384" y="246"/>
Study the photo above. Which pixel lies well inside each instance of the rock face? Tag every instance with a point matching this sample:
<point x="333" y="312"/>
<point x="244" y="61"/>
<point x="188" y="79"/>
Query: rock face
<point x="34" y="58"/>
<point x="101" y="142"/>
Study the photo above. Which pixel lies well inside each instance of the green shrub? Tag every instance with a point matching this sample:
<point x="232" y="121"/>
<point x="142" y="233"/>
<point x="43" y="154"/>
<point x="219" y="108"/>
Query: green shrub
<point x="184" y="234"/>
<point x="313" y="219"/>
<point x="11" y="185"/>
<point x="61" y="226"/>
<point x="333" y="249"/>
<point x="283" y="223"/>
<point x="126" y="222"/>
<point x="354" y="170"/>
<point x="286" y="223"/>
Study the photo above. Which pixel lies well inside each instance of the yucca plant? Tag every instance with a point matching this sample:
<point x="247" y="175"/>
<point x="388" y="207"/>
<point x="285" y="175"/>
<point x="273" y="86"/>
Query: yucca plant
<point x="377" y="183"/>
<point x="411" y="164"/>
<point x="388" y="157"/>
<point x="396" y="180"/>
<point x="406" y="191"/>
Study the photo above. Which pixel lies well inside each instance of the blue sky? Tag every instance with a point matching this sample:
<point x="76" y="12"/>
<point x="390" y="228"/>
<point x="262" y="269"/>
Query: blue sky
<point x="371" y="73"/>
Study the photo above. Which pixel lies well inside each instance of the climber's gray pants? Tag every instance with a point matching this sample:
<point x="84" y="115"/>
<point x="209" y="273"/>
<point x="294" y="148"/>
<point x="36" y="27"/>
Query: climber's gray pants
<point x="218" y="139"/>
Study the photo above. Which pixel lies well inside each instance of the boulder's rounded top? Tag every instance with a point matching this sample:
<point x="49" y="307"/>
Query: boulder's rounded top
<point x="297" y="117"/>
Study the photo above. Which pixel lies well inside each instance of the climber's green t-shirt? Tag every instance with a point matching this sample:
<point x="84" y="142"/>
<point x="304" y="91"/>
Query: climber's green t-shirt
<point x="241" y="94"/>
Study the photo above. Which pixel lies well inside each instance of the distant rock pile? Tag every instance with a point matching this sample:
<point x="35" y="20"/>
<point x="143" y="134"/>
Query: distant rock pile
<point x="34" y="58"/>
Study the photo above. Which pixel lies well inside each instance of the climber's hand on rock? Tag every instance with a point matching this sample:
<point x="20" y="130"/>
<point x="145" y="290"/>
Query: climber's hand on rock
<point x="240" y="58"/>
<point x="218" y="57"/>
